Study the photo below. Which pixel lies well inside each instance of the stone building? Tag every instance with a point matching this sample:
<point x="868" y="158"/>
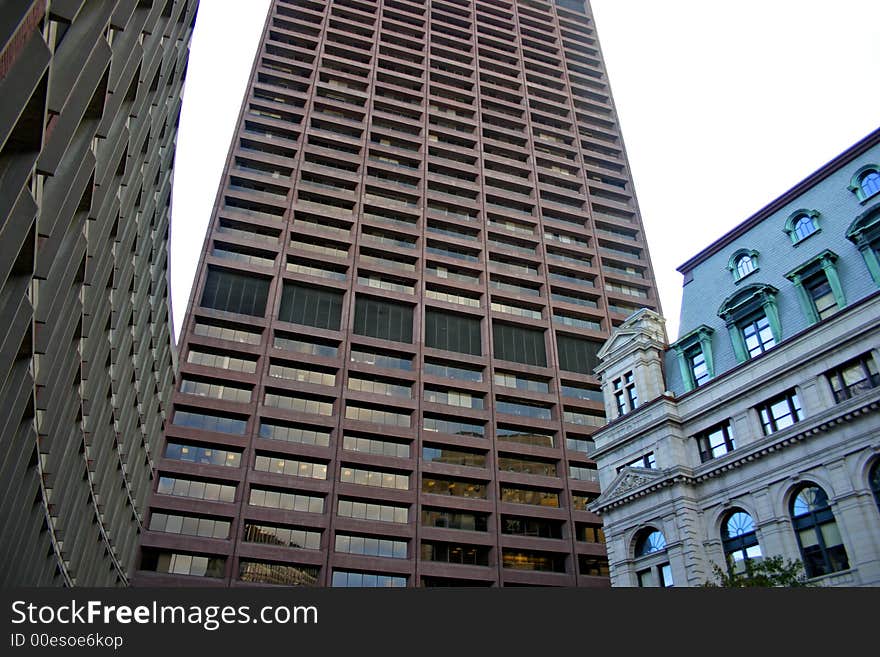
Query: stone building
<point x="755" y="433"/>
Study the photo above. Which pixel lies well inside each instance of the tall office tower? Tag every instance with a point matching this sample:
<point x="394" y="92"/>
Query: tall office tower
<point x="425" y="231"/>
<point x="89" y="101"/>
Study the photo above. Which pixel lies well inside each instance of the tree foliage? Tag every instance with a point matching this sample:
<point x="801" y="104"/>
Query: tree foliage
<point x="766" y="572"/>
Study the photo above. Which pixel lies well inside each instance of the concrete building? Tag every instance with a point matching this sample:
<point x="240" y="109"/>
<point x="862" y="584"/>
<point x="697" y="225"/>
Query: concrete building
<point x="89" y="103"/>
<point x="756" y="433"/>
<point x="426" y="230"/>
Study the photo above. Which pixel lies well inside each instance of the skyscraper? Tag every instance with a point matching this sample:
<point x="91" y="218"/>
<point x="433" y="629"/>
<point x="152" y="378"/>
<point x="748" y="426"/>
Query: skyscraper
<point x="425" y="231"/>
<point x="89" y="103"/>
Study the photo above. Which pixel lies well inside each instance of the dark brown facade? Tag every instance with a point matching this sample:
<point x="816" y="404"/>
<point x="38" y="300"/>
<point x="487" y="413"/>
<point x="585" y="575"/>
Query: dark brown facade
<point x="89" y="105"/>
<point x="425" y="232"/>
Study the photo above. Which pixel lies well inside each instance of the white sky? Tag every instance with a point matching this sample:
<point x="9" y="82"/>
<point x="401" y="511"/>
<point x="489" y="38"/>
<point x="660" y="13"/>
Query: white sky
<point x="723" y="106"/>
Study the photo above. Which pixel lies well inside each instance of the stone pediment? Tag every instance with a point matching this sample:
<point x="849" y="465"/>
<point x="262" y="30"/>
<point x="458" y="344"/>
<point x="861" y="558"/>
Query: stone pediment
<point x="629" y="479"/>
<point x="620" y="340"/>
<point x="644" y="327"/>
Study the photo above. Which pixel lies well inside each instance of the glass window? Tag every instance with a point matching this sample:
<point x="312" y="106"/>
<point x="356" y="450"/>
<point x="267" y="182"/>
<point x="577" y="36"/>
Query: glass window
<point x="870" y="183"/>
<point x="376" y="478"/>
<point x="657" y="576"/>
<point x="473" y="555"/>
<point x="525" y="436"/>
<point x="529" y="560"/>
<point x="874" y="481"/>
<point x="694" y="355"/>
<point x="292" y="433"/>
<point x="459" y="428"/>
<point x="589" y="419"/>
<point x="456" y="372"/>
<point x="202" y="455"/>
<point x="757" y="335"/>
<point x="739" y="539"/>
<point x="371" y="546"/>
<point x="819" y="290"/>
<point x="649" y="540"/>
<point x="715" y="442"/>
<point x="645" y="461"/>
<point x="475" y="522"/>
<point x="577" y="354"/>
<point x="780" y="412"/>
<point x="371" y="511"/>
<point x="816" y="529"/>
<point x="454" y="487"/>
<point x="273" y="499"/>
<point x="519" y="344"/>
<point x="804" y="226"/>
<point x="376" y="415"/>
<point x="207" y="422"/>
<point x="853" y="378"/>
<point x="745" y="265"/>
<point x="277" y="399"/>
<point x="222" y="361"/>
<point x="532" y="496"/>
<point x="283" y="536"/>
<point x="383" y="319"/>
<point x="593" y="566"/>
<point x="178" y="563"/>
<point x="696" y="361"/>
<point x="199" y="490"/>
<point x="294" y="468"/>
<point x="439" y="454"/>
<point x="311" y="306"/>
<point x="752" y="318"/>
<point x="626" y="398"/>
<point x="376" y="386"/>
<point x="381" y="359"/>
<point x="536" y="527"/>
<point x="452" y="332"/>
<point x="235" y="292"/>
<point x="276" y="573"/>
<point x="375" y="446"/>
<point x="344" y="578"/>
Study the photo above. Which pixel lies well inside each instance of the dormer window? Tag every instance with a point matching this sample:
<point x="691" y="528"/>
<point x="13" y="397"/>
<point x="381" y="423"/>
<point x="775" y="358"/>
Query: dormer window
<point x="866" y="182"/>
<point x="752" y="320"/>
<point x="864" y="232"/>
<point x="694" y="351"/>
<point x="801" y="224"/>
<point x="742" y="263"/>
<point x="818" y="286"/>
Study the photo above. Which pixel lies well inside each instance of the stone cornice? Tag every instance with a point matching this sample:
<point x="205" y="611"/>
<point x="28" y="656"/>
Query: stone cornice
<point x="758" y="449"/>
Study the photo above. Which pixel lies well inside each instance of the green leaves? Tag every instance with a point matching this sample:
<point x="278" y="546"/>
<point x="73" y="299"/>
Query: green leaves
<point x="767" y="572"/>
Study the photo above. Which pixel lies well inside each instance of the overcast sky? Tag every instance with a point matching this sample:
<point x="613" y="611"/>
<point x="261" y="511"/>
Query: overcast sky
<point x="723" y="106"/>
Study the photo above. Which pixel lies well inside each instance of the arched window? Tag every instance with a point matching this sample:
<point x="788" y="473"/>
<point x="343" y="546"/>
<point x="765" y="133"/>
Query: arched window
<point x="819" y="539"/>
<point x="865" y="182"/>
<point x="654" y="569"/>
<point x="650" y="540"/>
<point x="874" y="481"/>
<point x="742" y="263"/>
<point x="739" y="539"/>
<point x="801" y="224"/>
<point x="745" y="265"/>
<point x="870" y="183"/>
<point x="804" y="226"/>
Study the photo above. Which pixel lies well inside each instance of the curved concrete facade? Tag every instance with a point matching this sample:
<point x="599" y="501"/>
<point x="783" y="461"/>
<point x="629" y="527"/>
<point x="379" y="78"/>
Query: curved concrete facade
<point x="91" y="98"/>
